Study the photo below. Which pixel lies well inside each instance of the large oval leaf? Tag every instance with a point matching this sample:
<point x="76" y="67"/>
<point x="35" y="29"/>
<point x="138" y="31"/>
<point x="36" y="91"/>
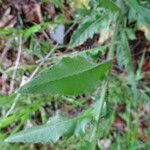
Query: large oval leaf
<point x="72" y="76"/>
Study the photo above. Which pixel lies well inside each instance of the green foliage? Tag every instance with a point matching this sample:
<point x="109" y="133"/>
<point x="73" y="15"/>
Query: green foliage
<point x="87" y="29"/>
<point x="32" y="30"/>
<point x="90" y="54"/>
<point x="65" y="77"/>
<point x="79" y="73"/>
<point x="55" y="128"/>
<point x="7" y="30"/>
<point x="6" y="99"/>
<point x="109" y="5"/>
<point x="142" y="14"/>
<point x="142" y="11"/>
<point x="23" y="112"/>
<point x="129" y="65"/>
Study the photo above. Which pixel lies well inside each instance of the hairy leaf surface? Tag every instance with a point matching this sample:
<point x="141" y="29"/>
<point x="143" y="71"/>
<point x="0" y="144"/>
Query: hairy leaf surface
<point x="55" y="128"/>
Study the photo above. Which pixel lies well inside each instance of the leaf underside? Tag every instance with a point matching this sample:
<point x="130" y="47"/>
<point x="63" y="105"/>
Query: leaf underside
<point x="55" y="128"/>
<point x="51" y="132"/>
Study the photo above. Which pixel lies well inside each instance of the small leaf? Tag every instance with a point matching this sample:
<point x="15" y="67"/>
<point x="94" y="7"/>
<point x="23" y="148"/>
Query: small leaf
<point x="129" y="65"/>
<point x="72" y="76"/>
<point x="86" y="30"/>
<point x="87" y="53"/>
<point x="109" y="5"/>
<point x="7" y="30"/>
<point x="81" y="126"/>
<point x="144" y="26"/>
<point x="86" y="145"/>
<point x="32" y="30"/>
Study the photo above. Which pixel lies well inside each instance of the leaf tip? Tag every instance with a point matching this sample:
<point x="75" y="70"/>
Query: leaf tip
<point x="7" y="140"/>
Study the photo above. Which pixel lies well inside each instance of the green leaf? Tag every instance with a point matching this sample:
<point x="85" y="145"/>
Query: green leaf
<point x="32" y="30"/>
<point x="87" y="53"/>
<point x="7" y="121"/>
<point x="58" y="3"/>
<point x="144" y="26"/>
<point x="86" y="30"/>
<point x="7" y="30"/>
<point x="142" y="11"/>
<point x="86" y="145"/>
<point x="56" y="127"/>
<point x="129" y="65"/>
<point x="72" y="76"/>
<point x="6" y="99"/>
<point x="109" y="5"/>
<point x="81" y="126"/>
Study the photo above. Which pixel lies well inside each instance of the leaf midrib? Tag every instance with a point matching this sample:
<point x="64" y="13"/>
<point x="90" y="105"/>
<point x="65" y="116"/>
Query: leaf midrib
<point x="48" y="126"/>
<point x="71" y="75"/>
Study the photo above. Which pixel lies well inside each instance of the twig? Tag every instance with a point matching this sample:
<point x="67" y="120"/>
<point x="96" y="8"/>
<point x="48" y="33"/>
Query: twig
<point x="16" y="64"/>
<point x="5" y="50"/>
<point x="99" y="109"/>
<point x="57" y="45"/>
<point x="12" y="106"/>
<point x="48" y="55"/>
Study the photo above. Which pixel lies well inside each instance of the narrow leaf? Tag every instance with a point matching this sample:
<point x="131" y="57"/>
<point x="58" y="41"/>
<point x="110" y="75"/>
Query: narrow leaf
<point x="57" y="127"/>
<point x="129" y="66"/>
<point x="32" y="30"/>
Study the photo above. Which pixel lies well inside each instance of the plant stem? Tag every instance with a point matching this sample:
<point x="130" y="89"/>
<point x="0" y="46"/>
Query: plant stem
<point x="16" y="64"/>
<point x="35" y="71"/>
<point x="99" y="109"/>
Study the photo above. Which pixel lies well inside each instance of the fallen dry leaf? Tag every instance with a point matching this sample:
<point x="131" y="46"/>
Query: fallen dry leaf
<point x="142" y="136"/>
<point x="119" y="123"/>
<point x="7" y="19"/>
<point x="32" y="12"/>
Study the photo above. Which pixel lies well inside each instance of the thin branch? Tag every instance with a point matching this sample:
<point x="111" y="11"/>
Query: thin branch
<point x="48" y="55"/>
<point x="16" y="64"/>
<point x="12" y="106"/>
